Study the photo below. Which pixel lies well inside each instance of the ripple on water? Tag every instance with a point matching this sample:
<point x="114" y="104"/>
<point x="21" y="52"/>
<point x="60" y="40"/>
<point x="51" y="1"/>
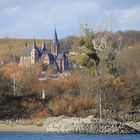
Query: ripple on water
<point x="46" y="136"/>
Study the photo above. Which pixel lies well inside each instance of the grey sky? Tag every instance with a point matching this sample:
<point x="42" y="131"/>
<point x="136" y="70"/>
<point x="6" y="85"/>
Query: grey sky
<point x="26" y="18"/>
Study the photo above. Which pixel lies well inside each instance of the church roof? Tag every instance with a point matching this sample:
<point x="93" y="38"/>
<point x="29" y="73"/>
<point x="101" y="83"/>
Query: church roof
<point x="51" y="57"/>
<point x="39" y="52"/>
<point x="61" y="56"/>
<point x="43" y="56"/>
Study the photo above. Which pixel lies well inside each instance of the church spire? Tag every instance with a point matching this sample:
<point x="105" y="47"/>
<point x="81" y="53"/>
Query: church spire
<point x="34" y="44"/>
<point x="44" y="45"/>
<point x="55" y="49"/>
<point x="55" y="37"/>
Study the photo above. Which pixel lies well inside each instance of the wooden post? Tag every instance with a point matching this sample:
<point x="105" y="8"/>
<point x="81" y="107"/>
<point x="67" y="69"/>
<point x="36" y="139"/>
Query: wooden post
<point x="43" y="95"/>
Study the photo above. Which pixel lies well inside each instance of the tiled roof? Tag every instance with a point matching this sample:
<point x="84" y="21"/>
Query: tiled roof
<point x="52" y="59"/>
<point x="39" y="52"/>
<point x="61" y="56"/>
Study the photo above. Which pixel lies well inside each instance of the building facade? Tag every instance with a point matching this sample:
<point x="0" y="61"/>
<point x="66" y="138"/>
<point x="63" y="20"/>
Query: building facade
<point x="32" y="55"/>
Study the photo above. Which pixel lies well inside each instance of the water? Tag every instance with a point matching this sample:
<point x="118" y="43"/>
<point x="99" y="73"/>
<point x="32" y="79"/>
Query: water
<point x="46" y="136"/>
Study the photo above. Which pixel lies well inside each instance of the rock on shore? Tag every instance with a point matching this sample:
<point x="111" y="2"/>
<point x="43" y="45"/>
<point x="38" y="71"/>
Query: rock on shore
<point x="88" y="125"/>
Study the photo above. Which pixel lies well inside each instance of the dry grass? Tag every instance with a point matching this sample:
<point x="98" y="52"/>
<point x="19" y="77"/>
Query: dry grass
<point x="77" y="57"/>
<point x="128" y="59"/>
<point x="8" y="45"/>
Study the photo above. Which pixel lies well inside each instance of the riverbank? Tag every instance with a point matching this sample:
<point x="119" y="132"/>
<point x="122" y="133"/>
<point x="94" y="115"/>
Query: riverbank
<point x="22" y="125"/>
<point x="88" y="125"/>
<point x="21" y="128"/>
<point x="62" y="124"/>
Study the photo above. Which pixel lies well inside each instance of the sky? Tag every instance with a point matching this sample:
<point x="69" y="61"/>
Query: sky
<point x="39" y="18"/>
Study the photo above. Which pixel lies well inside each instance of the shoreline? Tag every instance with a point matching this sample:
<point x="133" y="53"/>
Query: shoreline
<point x="69" y="125"/>
<point x="21" y="128"/>
<point x="87" y="125"/>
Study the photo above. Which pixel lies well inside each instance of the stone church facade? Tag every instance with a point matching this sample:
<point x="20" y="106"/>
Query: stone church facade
<point x="56" y="57"/>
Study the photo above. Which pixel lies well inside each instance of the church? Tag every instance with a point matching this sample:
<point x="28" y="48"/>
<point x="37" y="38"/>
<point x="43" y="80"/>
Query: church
<point x="34" y="54"/>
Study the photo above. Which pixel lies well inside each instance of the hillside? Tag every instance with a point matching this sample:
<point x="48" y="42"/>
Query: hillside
<point x="7" y="45"/>
<point x="77" y="95"/>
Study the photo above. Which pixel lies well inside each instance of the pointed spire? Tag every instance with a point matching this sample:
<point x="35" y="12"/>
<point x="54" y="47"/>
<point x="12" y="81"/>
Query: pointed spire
<point x="34" y="44"/>
<point x="55" y="37"/>
<point x="44" y="45"/>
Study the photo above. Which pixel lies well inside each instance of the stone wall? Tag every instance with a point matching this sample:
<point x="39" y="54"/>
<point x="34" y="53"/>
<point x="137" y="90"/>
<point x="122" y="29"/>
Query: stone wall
<point x="89" y="125"/>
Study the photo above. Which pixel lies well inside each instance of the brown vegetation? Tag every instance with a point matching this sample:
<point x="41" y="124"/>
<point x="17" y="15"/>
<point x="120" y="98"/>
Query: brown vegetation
<point x="75" y="96"/>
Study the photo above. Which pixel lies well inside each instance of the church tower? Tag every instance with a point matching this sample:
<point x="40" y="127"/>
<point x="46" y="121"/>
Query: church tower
<point x="34" y="53"/>
<point x="55" y="49"/>
<point x="45" y="53"/>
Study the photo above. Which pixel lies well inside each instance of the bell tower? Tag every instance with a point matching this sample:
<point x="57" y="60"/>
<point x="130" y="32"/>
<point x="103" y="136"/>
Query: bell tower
<point x="34" y="53"/>
<point x="55" y="49"/>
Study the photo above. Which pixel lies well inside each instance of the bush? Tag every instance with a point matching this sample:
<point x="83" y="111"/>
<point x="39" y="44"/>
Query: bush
<point x="6" y="86"/>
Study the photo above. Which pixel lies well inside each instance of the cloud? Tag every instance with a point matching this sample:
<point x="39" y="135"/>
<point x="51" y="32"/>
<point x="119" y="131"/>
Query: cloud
<point x="39" y="17"/>
<point x="11" y="10"/>
<point x="68" y="15"/>
<point x="119" y="4"/>
<point x="132" y="13"/>
<point x="70" y="11"/>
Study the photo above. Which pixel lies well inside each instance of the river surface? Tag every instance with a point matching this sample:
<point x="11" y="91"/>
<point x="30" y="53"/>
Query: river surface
<point x="46" y="136"/>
